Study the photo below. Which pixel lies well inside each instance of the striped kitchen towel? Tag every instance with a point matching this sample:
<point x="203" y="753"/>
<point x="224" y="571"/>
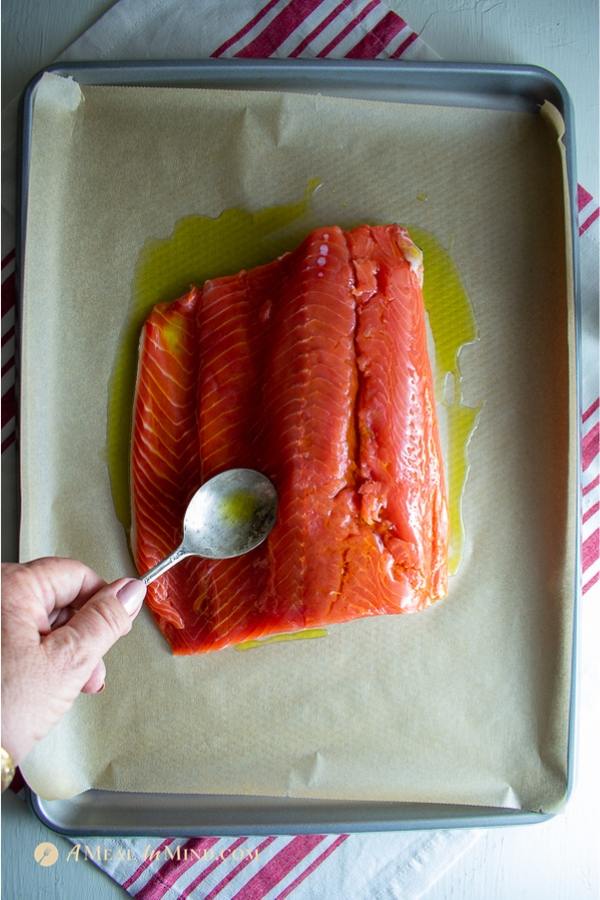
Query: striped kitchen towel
<point x="309" y="866"/>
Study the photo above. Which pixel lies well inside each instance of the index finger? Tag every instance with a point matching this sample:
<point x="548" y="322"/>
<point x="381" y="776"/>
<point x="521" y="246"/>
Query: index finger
<point x="57" y="582"/>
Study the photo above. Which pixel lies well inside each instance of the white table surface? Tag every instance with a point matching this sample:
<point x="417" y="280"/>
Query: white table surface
<point x="558" y="860"/>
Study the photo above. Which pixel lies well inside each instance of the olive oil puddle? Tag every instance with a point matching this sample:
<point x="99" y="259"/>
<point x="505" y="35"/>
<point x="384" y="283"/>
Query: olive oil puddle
<point x="201" y="247"/>
<point x="309" y="634"/>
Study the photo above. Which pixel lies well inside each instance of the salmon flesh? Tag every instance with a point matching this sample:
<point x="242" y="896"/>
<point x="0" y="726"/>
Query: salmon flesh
<point x="313" y="369"/>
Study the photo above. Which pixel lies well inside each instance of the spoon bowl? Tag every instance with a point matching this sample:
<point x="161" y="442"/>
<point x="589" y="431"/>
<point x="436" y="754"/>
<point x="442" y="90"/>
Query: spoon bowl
<point x="228" y="516"/>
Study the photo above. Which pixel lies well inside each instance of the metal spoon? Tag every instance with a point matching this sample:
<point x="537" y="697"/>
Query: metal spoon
<point x="229" y="515"/>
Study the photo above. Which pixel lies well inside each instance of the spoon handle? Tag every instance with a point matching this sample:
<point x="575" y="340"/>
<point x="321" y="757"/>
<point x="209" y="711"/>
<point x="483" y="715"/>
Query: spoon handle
<point x="165" y="564"/>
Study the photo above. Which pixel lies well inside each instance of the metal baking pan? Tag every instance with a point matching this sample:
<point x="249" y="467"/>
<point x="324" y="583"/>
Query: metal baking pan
<point x="522" y="88"/>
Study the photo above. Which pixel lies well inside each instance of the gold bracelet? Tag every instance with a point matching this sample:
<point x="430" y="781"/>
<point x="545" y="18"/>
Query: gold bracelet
<point x="8" y="768"/>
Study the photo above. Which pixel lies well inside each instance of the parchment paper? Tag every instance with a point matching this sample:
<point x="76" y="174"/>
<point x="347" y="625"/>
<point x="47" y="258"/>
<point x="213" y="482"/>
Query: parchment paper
<point x="465" y="703"/>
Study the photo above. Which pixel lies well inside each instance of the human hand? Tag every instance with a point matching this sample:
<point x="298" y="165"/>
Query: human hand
<point x="58" y="620"/>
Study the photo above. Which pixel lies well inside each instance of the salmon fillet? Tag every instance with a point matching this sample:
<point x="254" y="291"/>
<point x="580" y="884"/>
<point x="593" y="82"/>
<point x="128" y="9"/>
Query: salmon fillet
<point x="314" y="370"/>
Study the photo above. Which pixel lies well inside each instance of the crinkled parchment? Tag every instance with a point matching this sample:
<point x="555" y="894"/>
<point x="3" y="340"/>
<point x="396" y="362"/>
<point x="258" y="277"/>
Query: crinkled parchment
<point x="466" y="703"/>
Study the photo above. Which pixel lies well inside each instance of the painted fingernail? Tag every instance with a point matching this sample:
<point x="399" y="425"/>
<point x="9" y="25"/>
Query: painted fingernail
<point x="131" y="595"/>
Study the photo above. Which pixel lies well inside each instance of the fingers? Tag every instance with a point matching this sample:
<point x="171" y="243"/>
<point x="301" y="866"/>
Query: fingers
<point x="78" y="645"/>
<point x="58" y="617"/>
<point x="95" y="682"/>
<point x="57" y="582"/>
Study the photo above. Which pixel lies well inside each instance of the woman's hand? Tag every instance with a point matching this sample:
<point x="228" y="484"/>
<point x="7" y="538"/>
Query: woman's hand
<point x="58" y="620"/>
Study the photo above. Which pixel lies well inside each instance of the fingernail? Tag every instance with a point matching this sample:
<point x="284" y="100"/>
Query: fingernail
<point x="101" y="688"/>
<point x="131" y="595"/>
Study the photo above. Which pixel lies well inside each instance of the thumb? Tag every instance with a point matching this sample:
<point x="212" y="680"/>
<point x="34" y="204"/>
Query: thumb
<point x="98" y="624"/>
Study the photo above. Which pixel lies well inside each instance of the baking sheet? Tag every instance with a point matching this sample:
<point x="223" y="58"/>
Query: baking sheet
<point x="466" y="703"/>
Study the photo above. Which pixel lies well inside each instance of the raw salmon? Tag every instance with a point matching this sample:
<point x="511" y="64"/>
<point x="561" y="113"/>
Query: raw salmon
<point x="314" y="370"/>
